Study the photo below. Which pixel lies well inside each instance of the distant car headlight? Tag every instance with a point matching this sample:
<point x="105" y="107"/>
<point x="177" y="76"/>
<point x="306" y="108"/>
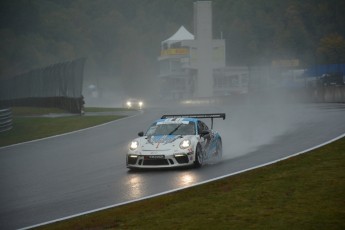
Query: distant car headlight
<point x="129" y="104"/>
<point x="134" y="145"/>
<point x="141" y="103"/>
<point x="185" y="144"/>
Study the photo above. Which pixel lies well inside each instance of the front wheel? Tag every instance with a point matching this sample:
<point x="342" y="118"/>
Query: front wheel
<point x="199" y="158"/>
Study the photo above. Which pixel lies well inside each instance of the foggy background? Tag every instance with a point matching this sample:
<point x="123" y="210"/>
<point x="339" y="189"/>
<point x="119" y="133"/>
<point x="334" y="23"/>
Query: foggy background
<point x="121" y="38"/>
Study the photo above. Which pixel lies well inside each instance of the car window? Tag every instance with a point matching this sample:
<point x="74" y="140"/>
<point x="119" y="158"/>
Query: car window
<point x="202" y="126"/>
<point x="151" y="130"/>
<point x="171" y="129"/>
<point x="186" y="129"/>
<point x="205" y="126"/>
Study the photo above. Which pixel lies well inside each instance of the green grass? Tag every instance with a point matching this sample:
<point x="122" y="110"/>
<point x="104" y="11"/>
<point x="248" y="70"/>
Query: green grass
<point x="27" y="125"/>
<point x="34" y="111"/>
<point x="303" y="192"/>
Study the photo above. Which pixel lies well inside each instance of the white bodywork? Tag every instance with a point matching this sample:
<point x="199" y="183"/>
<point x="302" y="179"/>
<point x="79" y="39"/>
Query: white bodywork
<point x="166" y="148"/>
<point x="175" y="142"/>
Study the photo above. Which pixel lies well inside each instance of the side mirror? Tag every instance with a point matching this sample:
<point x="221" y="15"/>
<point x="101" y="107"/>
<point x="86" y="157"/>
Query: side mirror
<point x="140" y="134"/>
<point x="204" y="133"/>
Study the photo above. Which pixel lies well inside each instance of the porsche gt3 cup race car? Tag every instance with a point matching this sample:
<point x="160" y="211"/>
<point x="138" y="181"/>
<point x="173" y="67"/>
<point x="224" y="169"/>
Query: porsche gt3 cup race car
<point x="174" y="141"/>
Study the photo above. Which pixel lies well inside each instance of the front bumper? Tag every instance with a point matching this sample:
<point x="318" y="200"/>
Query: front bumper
<point x="159" y="161"/>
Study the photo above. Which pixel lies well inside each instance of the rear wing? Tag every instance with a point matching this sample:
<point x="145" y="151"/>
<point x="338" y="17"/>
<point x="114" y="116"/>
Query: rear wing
<point x="200" y="116"/>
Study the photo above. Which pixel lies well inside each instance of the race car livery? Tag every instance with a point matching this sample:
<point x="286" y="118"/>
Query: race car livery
<point x="174" y="141"/>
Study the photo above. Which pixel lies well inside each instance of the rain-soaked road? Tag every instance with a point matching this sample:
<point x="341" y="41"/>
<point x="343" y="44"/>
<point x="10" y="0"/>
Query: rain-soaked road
<point x="69" y="174"/>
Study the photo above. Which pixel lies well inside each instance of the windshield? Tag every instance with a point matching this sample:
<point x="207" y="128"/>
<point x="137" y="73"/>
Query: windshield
<point x="171" y="129"/>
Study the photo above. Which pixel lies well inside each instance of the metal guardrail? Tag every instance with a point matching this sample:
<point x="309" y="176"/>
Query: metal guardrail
<point x="6" y="120"/>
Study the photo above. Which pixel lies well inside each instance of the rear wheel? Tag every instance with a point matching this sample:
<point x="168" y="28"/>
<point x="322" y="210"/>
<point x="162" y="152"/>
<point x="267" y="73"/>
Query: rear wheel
<point x="199" y="158"/>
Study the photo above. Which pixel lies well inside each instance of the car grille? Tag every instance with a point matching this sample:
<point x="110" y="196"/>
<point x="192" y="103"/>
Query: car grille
<point x="132" y="160"/>
<point x="155" y="162"/>
<point x="182" y="159"/>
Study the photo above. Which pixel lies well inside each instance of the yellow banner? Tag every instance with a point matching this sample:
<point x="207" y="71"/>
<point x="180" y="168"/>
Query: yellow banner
<point x="179" y="51"/>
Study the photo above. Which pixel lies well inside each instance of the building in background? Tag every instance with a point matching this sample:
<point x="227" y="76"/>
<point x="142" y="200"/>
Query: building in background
<point x="188" y="62"/>
<point x="193" y="66"/>
<point x="230" y="81"/>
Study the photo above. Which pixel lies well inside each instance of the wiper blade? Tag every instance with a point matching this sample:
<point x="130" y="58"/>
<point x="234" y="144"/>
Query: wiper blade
<point x="175" y="129"/>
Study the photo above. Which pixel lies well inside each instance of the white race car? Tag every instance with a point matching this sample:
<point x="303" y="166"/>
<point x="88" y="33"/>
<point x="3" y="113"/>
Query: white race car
<point x="176" y="140"/>
<point x="133" y="103"/>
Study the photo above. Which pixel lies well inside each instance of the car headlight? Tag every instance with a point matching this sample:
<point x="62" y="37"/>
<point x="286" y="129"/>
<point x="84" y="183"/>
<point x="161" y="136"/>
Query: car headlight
<point x="134" y="145"/>
<point x="129" y="104"/>
<point x="185" y="144"/>
<point x="141" y="103"/>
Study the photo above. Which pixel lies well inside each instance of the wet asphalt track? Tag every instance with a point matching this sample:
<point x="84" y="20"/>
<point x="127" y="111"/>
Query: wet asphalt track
<point x="69" y="174"/>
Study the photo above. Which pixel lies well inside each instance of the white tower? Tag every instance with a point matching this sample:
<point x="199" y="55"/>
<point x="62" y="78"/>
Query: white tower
<point x="188" y="62"/>
<point x="203" y="38"/>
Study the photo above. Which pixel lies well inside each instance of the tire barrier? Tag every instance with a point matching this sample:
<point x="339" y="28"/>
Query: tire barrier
<point x="6" y="120"/>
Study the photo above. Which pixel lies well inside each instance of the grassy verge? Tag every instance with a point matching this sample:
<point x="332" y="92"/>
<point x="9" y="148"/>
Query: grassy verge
<point x="34" y="111"/>
<point x="27" y="127"/>
<point x="304" y="192"/>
